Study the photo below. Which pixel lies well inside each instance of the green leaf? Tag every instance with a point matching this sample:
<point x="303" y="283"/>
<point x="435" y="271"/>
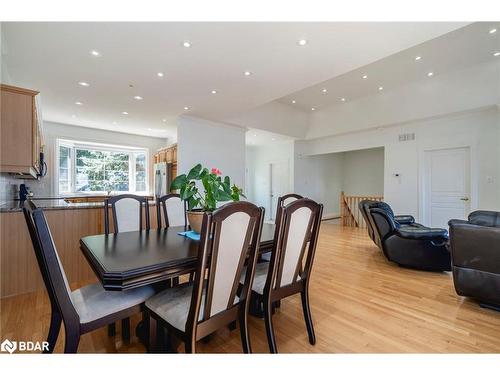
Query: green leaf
<point x="194" y="173"/>
<point x="193" y="203"/>
<point x="223" y="196"/>
<point x="178" y="182"/>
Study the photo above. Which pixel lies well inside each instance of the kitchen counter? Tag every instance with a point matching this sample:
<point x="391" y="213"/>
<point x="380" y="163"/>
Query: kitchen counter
<point x="52" y="204"/>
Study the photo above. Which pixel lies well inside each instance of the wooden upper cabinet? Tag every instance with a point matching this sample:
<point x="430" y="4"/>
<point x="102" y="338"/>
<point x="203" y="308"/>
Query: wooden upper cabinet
<point x="166" y="155"/>
<point x="19" y="131"/>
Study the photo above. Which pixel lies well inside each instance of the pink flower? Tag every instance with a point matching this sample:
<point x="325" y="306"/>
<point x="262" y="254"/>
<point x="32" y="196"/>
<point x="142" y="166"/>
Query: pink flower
<point x="216" y="171"/>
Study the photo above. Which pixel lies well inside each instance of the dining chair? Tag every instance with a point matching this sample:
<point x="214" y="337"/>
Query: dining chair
<point x="230" y="235"/>
<point x="295" y="240"/>
<point x="82" y="310"/>
<point x="282" y="201"/>
<point x="173" y="210"/>
<point x="127" y="211"/>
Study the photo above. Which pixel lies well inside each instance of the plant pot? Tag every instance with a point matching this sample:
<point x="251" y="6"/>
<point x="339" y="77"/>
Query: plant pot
<point x="195" y="219"/>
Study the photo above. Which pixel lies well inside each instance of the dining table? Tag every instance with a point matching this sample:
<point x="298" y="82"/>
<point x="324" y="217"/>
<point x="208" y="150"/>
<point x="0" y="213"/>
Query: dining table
<point x="128" y="260"/>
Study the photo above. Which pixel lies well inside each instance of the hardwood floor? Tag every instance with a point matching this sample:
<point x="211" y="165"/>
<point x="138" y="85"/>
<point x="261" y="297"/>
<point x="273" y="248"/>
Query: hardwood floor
<point x="360" y="303"/>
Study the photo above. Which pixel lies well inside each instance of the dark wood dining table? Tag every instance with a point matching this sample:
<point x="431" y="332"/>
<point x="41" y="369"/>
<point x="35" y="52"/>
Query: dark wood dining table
<point x="132" y="259"/>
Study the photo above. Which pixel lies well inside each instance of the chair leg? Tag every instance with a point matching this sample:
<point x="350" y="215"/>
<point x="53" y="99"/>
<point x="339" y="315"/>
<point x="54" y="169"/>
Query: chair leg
<point x="245" y="338"/>
<point x="111" y="329"/>
<point x="268" y="319"/>
<point x="190" y="346"/>
<point x="152" y="339"/>
<point x="55" y="327"/>
<point x="126" y="329"/>
<point x="72" y="341"/>
<point x="307" y="316"/>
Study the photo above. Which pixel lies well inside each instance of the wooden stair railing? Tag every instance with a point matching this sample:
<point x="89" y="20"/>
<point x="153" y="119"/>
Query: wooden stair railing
<point x="350" y="215"/>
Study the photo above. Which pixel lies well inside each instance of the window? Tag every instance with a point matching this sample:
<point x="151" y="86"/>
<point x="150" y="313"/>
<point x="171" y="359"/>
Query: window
<point x="90" y="167"/>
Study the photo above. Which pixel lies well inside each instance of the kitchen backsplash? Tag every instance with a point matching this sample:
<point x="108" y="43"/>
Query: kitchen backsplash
<point x="9" y="187"/>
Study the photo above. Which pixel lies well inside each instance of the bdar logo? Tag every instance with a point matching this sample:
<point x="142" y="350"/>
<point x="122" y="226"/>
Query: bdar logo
<point x="8" y="346"/>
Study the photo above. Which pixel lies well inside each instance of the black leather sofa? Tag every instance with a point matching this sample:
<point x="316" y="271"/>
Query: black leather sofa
<point x="475" y="252"/>
<point x="404" y="241"/>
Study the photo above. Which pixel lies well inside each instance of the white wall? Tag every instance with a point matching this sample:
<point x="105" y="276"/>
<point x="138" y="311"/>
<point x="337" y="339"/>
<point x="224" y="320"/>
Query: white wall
<point x="322" y="177"/>
<point x="363" y="172"/>
<point x="275" y="117"/>
<point x="477" y="129"/>
<point x="461" y="90"/>
<point x="319" y="177"/>
<point x="258" y="159"/>
<point x="46" y="187"/>
<point x="214" y="145"/>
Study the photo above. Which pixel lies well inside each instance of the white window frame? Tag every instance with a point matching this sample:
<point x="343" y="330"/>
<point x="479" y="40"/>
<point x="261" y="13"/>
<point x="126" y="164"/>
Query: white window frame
<point x="74" y="145"/>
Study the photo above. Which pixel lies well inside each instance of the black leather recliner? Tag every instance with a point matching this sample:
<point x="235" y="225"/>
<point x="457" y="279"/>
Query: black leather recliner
<point x="411" y="244"/>
<point x="402" y="220"/>
<point x="475" y="252"/>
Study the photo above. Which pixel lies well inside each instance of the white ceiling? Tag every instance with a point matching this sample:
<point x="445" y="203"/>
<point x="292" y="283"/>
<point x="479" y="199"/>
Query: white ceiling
<point x="258" y="137"/>
<point x="467" y="46"/>
<point x="54" y="57"/>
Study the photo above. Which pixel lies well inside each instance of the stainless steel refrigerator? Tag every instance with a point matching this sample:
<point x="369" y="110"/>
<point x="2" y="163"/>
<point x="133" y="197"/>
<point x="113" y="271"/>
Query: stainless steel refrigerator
<point x="163" y="178"/>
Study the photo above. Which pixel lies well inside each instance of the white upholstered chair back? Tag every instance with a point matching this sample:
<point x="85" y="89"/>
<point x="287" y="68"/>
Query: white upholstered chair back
<point x="231" y="248"/>
<point x="296" y="241"/>
<point x="172" y="209"/>
<point x="234" y="232"/>
<point x="298" y="230"/>
<point x="128" y="214"/>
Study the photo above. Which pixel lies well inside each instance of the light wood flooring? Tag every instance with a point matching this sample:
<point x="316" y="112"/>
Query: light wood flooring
<point x="360" y="303"/>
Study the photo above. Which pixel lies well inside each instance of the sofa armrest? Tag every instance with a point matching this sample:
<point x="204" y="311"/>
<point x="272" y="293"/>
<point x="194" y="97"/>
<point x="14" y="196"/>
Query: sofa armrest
<point x="475" y="246"/>
<point x="423" y="233"/>
<point x="404" y="219"/>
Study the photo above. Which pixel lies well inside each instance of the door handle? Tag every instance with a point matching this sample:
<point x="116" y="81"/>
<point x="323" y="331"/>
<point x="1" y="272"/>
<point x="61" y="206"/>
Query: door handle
<point x="464" y="199"/>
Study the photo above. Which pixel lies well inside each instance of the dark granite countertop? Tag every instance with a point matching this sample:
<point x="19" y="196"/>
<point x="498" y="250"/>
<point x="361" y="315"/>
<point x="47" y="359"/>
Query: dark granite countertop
<point x="51" y="204"/>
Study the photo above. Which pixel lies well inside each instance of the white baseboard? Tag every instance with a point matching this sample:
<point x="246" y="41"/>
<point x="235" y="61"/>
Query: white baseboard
<point x="330" y="216"/>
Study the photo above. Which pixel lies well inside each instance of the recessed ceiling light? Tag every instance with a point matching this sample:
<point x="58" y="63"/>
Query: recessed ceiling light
<point x="496" y="54"/>
<point x="430" y="74"/>
<point x="74" y="116"/>
<point x="78" y="103"/>
<point x="313" y="109"/>
<point x="95" y="53"/>
<point x="150" y="129"/>
<point x="214" y="92"/>
<point x="302" y="42"/>
<point x="164" y="120"/>
<point x="418" y="58"/>
<point x="137" y="97"/>
<point x="255" y="135"/>
<point x="365" y="76"/>
<point x="273" y="139"/>
<point x="186" y="44"/>
<point x="186" y="108"/>
<point x="159" y="74"/>
<point x="343" y="99"/>
<point x="324" y="90"/>
<point x="493" y="31"/>
<point x="81" y="83"/>
<point x="114" y="123"/>
<point x="293" y="102"/>
<point x="380" y="88"/>
<point x="247" y="73"/>
<point x="124" y="113"/>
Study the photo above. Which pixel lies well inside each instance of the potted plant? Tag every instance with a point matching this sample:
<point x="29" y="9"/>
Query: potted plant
<point x="216" y="189"/>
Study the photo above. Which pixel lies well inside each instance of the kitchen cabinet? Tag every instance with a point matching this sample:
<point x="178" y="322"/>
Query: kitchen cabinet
<point x="20" y="132"/>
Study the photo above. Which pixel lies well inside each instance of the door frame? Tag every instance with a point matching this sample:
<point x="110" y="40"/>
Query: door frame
<point x="270" y="172"/>
<point x="473" y="188"/>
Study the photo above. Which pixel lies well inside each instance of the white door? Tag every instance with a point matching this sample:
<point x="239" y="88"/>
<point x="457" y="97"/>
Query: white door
<point x="279" y="185"/>
<point x="447" y="186"/>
